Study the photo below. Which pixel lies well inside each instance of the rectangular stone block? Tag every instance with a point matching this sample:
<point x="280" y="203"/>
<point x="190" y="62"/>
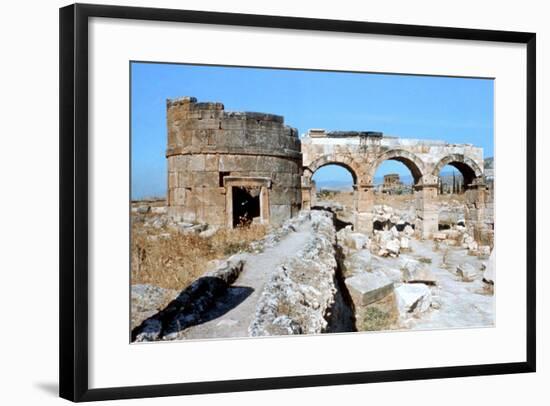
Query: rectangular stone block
<point x="211" y="163"/>
<point x="282" y="196"/>
<point x="179" y="196"/>
<point x="368" y="287"/>
<point x="233" y="124"/>
<point x="206" y="124"/>
<point x="173" y="180"/>
<point x="197" y="162"/>
<point x="230" y="163"/>
<point x="227" y="163"/>
<point x="185" y="179"/>
<point x="214" y="215"/>
<point x="178" y="163"/>
<point x="205" y="179"/>
<point x="213" y="197"/>
<point x="170" y="198"/>
<point x="283" y="179"/>
<point x="279" y="213"/>
<point x="364" y="223"/>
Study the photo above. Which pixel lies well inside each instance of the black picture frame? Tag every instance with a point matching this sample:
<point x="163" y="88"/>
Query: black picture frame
<point x="73" y="277"/>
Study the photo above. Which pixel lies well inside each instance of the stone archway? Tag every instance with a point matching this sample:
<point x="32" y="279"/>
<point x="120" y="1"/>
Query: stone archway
<point x="425" y="191"/>
<point x="469" y="169"/>
<point x="409" y="159"/>
<point x="475" y="190"/>
<point x="334" y="159"/>
<point x="362" y="152"/>
<point x="340" y="160"/>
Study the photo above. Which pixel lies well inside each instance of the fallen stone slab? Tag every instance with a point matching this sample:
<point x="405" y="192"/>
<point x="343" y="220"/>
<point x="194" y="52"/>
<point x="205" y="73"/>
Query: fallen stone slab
<point x="413" y="299"/>
<point x="414" y="271"/>
<point x="393" y="247"/>
<point x="351" y="241"/>
<point x="472" y="247"/>
<point x="408" y="230"/>
<point x="393" y="274"/>
<point x="358" y="262"/>
<point x="383" y="236"/>
<point x="484" y="251"/>
<point x="159" y="210"/>
<point x="228" y="270"/>
<point x="356" y="241"/>
<point x="368" y="287"/>
<point x="143" y="209"/>
<point x="405" y="244"/>
<point x="209" y="232"/>
<point x="466" y="272"/>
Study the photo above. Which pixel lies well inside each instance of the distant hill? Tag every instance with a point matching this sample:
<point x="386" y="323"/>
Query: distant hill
<point x="489" y="163"/>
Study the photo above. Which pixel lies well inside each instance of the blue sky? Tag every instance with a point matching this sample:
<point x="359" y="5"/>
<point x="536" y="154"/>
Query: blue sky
<point x="457" y="110"/>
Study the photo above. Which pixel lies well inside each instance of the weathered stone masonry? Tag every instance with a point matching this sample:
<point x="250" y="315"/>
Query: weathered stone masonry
<point x="224" y="166"/>
<point x="362" y="152"/>
<point x="215" y="156"/>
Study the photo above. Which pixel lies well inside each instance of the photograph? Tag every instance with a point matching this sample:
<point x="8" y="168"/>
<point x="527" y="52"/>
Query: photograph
<point x="273" y="202"/>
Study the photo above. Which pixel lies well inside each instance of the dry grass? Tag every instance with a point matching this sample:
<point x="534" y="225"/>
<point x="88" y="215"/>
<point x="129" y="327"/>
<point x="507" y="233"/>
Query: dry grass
<point x="379" y="316"/>
<point x="171" y="260"/>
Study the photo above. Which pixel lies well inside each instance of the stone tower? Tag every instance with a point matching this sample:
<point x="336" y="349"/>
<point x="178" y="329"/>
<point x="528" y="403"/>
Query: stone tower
<point x="229" y="168"/>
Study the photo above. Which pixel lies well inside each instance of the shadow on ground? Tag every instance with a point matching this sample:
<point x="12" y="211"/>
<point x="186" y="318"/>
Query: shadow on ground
<point x="206" y="299"/>
<point x="234" y="296"/>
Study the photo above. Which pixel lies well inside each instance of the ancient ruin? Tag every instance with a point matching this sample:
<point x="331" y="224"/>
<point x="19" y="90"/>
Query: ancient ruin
<point x="307" y="262"/>
<point x="229" y="168"/>
<point x="362" y="152"/>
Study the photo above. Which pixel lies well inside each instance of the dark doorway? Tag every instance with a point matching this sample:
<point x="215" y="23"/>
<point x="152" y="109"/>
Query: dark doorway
<point x="246" y="205"/>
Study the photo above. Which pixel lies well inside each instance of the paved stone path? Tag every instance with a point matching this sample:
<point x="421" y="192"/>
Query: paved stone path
<point x="234" y="312"/>
<point x="462" y="304"/>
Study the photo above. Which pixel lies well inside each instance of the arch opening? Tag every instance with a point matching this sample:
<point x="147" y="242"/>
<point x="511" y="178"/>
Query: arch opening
<point x="393" y="177"/>
<point x="454" y="178"/>
<point x="451" y="181"/>
<point x="467" y="168"/>
<point x="333" y="189"/>
<point x="331" y="167"/>
<point x="334" y="177"/>
<point x="467" y="173"/>
<point x="409" y="160"/>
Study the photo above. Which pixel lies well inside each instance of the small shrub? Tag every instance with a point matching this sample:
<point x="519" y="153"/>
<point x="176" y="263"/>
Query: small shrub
<point x="375" y="319"/>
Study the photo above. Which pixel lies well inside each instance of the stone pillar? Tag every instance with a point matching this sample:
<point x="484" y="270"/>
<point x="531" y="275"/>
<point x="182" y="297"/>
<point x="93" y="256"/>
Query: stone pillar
<point x="427" y="214"/>
<point x="307" y="193"/>
<point x="476" y="194"/>
<point x="364" y="203"/>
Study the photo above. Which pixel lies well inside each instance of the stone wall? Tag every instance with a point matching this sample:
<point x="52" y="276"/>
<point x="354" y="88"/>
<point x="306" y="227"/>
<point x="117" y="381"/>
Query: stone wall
<point x="221" y="163"/>
<point x="302" y="296"/>
<point x="363" y="152"/>
<point x="208" y="145"/>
